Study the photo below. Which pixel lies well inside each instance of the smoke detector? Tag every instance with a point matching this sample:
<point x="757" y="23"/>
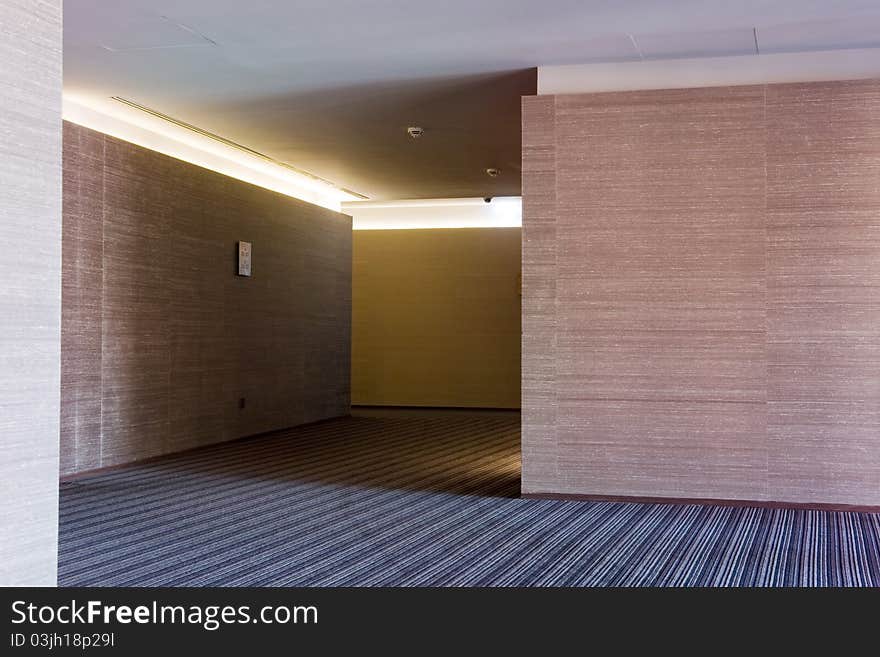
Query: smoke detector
<point x="415" y="131"/>
<point x="492" y="172"/>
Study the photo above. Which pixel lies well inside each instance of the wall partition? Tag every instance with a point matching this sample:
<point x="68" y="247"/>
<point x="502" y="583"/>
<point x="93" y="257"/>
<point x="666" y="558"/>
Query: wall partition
<point x="165" y="346"/>
<point x="701" y="293"/>
<point x="30" y="296"/>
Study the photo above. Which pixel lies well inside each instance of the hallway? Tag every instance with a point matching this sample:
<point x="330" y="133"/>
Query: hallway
<point x="421" y="498"/>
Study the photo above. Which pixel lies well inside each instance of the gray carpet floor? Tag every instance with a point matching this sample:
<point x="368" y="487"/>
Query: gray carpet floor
<point x="422" y="499"/>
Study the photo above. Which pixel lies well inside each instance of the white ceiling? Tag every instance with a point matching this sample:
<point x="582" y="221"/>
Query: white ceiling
<point x="330" y="85"/>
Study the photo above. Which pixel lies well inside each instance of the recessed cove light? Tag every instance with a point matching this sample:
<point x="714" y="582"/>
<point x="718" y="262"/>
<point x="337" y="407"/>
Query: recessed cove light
<point x="151" y="129"/>
<point x="501" y="212"/>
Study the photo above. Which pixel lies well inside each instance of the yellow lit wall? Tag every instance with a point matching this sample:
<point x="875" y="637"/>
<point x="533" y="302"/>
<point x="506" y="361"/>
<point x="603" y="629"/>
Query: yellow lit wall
<point x="436" y="317"/>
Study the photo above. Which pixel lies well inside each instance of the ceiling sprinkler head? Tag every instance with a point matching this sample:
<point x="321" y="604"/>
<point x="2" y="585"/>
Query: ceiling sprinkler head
<point x="415" y="131"/>
<point x="493" y="172"/>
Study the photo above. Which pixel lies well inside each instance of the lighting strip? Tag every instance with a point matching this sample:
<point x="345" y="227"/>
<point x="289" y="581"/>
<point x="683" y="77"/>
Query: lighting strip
<point x="420" y="214"/>
<point x="142" y="126"/>
<point x="230" y="143"/>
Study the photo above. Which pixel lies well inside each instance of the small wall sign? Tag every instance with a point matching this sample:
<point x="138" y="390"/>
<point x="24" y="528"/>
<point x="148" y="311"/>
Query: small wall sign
<point x="244" y="258"/>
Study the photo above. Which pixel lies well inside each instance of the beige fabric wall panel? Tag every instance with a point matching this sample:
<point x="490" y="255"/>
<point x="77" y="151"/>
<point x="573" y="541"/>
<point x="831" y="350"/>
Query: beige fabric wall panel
<point x="715" y="310"/>
<point x="182" y="338"/>
<point x="436" y="317"/>
<point x="30" y="296"/>
<point x="660" y="292"/>
<point x="82" y="295"/>
<point x="539" y="281"/>
<point x="823" y="168"/>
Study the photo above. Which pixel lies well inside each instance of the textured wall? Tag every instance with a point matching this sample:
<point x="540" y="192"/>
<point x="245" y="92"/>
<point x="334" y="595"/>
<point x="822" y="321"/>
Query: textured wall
<point x="436" y="317"/>
<point x="83" y="295"/>
<point x="161" y="338"/>
<point x="823" y="292"/>
<point x="30" y="296"/>
<point x="699" y="293"/>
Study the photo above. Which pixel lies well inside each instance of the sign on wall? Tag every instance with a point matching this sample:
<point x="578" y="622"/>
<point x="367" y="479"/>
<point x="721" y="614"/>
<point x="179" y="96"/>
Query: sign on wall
<point x="244" y="258"/>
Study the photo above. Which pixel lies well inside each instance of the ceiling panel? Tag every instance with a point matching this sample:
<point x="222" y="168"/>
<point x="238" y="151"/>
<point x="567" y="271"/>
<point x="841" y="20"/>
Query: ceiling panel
<point x="358" y="133"/>
<point x="861" y="32"/>
<point x="155" y="33"/>
<point x="330" y="85"/>
<point x="607" y="48"/>
<point x="121" y="31"/>
<point x="714" y="43"/>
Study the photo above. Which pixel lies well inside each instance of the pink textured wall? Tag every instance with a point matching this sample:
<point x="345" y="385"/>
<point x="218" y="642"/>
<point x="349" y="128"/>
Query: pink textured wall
<point x="701" y="293"/>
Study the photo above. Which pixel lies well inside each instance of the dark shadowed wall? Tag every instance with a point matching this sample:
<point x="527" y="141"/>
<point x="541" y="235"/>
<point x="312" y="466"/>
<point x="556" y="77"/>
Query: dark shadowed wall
<point x="161" y="341"/>
<point x="701" y="293"/>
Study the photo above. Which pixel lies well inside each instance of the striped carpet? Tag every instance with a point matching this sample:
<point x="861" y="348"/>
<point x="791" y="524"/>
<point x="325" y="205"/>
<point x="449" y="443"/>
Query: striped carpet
<point x="422" y="499"/>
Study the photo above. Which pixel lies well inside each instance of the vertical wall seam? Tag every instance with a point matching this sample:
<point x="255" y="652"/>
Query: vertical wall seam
<point x="103" y="288"/>
<point x="766" y="490"/>
<point x="555" y="343"/>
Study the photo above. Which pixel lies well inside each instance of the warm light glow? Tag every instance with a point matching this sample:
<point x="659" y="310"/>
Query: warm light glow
<point x="502" y="212"/>
<point x="118" y="120"/>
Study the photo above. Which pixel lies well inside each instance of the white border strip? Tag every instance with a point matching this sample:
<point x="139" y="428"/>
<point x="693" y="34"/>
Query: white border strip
<point x="772" y="68"/>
